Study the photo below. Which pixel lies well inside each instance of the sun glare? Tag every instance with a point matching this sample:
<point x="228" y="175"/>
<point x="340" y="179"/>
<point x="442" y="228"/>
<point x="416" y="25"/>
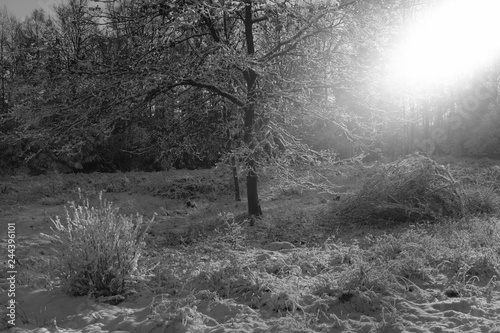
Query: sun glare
<point x="452" y="40"/>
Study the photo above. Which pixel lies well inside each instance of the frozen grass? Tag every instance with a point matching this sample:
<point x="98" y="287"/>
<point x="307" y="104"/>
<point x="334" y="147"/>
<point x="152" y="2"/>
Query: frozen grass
<point x="323" y="280"/>
<point x="421" y="264"/>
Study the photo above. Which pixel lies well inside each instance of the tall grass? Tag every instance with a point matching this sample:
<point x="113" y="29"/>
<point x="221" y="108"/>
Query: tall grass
<point x="98" y="249"/>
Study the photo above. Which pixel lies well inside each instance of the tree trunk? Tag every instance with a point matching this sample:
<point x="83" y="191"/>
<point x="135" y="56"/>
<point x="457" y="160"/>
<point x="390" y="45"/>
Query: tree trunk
<point x="252" y="177"/>
<point x="252" y="191"/>
<point x="250" y="77"/>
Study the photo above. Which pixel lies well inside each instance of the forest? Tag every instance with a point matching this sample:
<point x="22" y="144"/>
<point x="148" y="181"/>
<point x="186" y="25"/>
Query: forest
<point x="150" y="85"/>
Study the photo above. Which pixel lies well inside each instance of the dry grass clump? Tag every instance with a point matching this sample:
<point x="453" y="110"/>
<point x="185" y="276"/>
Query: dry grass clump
<point x="232" y="232"/>
<point x="480" y="199"/>
<point x="98" y="250"/>
<point x="412" y="189"/>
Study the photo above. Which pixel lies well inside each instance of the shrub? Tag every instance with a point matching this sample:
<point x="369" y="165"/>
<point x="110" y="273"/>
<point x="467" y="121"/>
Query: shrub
<point x="412" y="189"/>
<point x="99" y="249"/>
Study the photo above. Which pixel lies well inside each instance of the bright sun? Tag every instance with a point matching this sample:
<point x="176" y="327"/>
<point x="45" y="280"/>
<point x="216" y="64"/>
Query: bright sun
<point x="453" y="40"/>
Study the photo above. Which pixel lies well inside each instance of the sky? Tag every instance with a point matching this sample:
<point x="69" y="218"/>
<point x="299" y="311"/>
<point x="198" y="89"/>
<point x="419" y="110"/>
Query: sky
<point x="22" y="8"/>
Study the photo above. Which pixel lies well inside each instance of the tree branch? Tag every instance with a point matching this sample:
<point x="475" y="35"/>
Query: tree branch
<point x="292" y="40"/>
<point x="259" y="19"/>
<point x="213" y="89"/>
